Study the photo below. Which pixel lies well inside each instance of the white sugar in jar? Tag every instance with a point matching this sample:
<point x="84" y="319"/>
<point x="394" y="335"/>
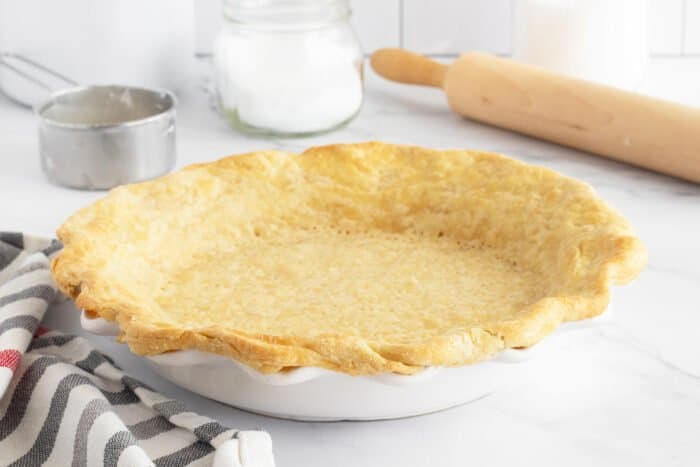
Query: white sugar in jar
<point x="288" y="67"/>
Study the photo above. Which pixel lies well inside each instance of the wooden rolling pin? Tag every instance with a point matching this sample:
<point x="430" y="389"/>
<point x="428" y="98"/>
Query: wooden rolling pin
<point x="629" y="127"/>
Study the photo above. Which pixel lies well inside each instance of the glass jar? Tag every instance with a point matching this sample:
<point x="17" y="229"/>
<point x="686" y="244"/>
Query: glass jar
<point x="288" y="67"/>
<point x="597" y="40"/>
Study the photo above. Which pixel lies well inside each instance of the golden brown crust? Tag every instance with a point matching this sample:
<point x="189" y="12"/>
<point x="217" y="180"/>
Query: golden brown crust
<point x="570" y="246"/>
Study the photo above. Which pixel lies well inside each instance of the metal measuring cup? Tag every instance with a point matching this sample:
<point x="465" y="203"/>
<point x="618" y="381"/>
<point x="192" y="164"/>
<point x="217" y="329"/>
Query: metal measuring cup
<point x="100" y="136"/>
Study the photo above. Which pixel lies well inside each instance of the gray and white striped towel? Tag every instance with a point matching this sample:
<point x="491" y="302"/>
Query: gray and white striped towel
<point x="64" y="403"/>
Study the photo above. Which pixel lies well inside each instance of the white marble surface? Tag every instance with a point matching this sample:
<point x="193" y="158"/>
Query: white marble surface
<point x="627" y="396"/>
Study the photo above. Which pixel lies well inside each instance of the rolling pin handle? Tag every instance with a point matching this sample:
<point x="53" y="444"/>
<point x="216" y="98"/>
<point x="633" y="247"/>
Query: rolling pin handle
<point x="408" y="67"/>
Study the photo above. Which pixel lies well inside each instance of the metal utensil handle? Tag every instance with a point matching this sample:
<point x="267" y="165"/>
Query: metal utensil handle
<point x="6" y="59"/>
<point x="4" y="56"/>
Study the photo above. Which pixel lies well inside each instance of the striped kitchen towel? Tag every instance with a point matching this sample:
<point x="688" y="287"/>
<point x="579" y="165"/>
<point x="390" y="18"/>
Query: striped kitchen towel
<point x="64" y="403"/>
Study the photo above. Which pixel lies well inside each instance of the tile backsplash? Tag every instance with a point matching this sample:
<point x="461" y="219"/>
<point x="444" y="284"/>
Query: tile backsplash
<point x="448" y="27"/>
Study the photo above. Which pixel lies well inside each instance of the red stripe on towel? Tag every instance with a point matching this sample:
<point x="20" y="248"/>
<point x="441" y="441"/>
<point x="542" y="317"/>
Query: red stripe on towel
<point x="10" y="359"/>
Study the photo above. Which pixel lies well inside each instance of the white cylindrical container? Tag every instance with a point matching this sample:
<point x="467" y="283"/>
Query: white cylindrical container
<point x="598" y="40"/>
<point x="129" y="42"/>
<point x="288" y="67"/>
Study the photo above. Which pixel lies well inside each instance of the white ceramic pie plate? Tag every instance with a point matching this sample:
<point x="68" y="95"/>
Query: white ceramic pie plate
<point x="317" y="394"/>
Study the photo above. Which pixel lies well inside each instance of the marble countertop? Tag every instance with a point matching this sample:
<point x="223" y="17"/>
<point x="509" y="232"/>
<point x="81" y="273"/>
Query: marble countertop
<point x="629" y="395"/>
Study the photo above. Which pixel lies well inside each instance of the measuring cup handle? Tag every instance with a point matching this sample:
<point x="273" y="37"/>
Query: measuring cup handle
<point x="31" y="71"/>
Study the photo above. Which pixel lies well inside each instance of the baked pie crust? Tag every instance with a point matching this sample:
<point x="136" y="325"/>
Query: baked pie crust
<point x="360" y="258"/>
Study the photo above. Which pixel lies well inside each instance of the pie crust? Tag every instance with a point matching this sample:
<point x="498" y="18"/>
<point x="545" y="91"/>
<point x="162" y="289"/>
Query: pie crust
<point x="360" y="258"/>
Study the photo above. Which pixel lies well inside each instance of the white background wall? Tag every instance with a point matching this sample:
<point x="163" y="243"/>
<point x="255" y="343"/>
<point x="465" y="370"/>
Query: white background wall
<point x="448" y="27"/>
